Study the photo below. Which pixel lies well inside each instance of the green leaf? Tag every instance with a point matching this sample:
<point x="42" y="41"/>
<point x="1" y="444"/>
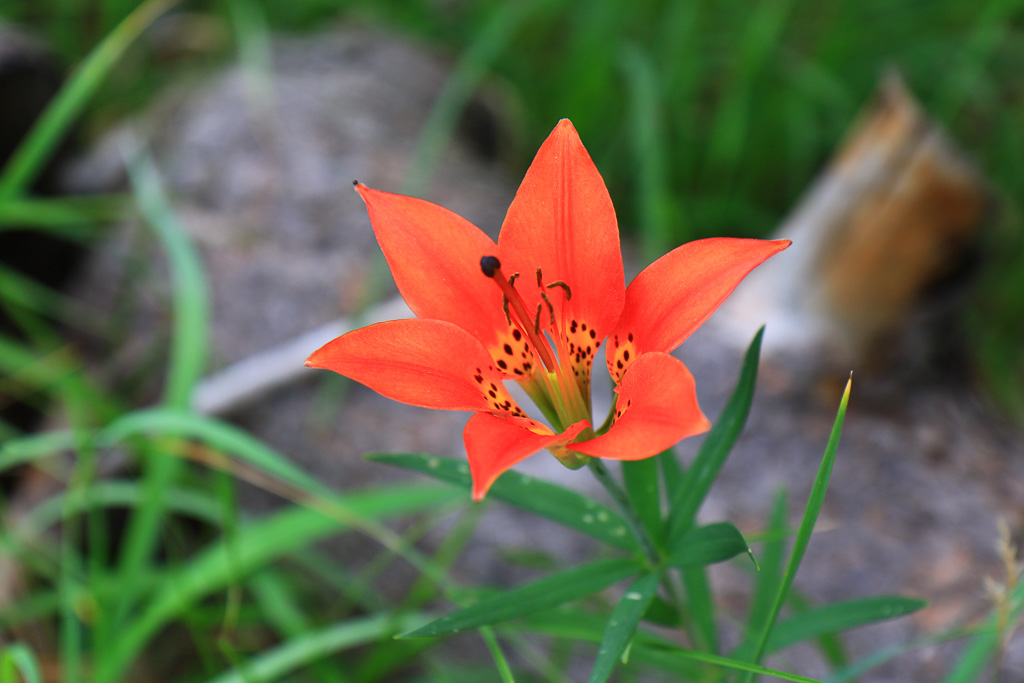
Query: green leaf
<point x="641" y="480"/>
<point x="839" y="616"/>
<point x="687" y="499"/>
<point x="702" y="607"/>
<point x="772" y="554"/>
<point x="533" y="495"/>
<point x="803" y="536"/>
<point x="707" y="545"/>
<point x="535" y="597"/>
<point x="622" y="624"/>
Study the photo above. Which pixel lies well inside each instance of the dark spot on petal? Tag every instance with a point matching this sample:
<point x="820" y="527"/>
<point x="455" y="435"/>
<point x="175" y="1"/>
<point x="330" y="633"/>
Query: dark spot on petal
<point x="630" y="336"/>
<point x="508" y="349"/>
<point x="593" y="334"/>
<point x="517" y="335"/>
<point x="583" y="327"/>
<point x="619" y="365"/>
<point x="625" y="355"/>
<point x="502" y="364"/>
<point x="493" y="395"/>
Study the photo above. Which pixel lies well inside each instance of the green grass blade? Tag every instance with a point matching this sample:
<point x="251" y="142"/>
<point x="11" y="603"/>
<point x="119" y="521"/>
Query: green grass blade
<point x="772" y="555"/>
<point x="258" y="543"/>
<point x="840" y="616"/>
<point x="28" y="160"/>
<point x="659" y="227"/>
<point x="535" y="597"/>
<point x="622" y="625"/>
<point x="716" y="447"/>
<point x="803" y="536"/>
<point x="669" y="658"/>
<point x="218" y="434"/>
<point x="641" y="481"/>
<point x="504" y="670"/>
<point x="32" y="447"/>
<point x="16" y="659"/>
<point x="301" y="651"/>
<point x="191" y="307"/>
<point x="984" y="647"/>
<point x="533" y="495"/>
<point x="700" y="601"/>
<point x="707" y="545"/>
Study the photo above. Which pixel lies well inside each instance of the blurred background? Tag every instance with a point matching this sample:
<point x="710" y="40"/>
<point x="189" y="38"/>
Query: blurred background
<point x="705" y="118"/>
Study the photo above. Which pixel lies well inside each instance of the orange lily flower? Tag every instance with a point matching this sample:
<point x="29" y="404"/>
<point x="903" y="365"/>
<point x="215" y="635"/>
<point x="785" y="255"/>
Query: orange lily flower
<point x="535" y="308"/>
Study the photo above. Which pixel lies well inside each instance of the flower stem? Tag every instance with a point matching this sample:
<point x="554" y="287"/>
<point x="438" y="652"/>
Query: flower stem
<point x="626" y="508"/>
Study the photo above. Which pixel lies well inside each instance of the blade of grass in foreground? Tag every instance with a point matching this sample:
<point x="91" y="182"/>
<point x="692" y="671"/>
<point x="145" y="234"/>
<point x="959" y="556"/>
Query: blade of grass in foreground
<point x="17" y="660"/>
<point x="258" y="543"/>
<point x="28" y="160"/>
<point x="540" y="595"/>
<point x="803" y="536"/>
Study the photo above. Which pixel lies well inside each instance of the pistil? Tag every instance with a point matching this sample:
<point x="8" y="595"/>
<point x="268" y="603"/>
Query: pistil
<point x="491" y="267"/>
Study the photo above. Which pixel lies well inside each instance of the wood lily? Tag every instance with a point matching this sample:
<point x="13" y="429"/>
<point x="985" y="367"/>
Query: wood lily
<point x="534" y="308"/>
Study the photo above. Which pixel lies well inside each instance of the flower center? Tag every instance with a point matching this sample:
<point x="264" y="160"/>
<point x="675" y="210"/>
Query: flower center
<point x="561" y="390"/>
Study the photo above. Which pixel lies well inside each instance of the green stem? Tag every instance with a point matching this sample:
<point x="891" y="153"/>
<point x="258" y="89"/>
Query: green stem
<point x="626" y="508"/>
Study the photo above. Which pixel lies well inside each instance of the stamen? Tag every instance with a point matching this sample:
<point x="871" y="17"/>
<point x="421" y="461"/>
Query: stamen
<point x="491" y="267"/>
<point x="540" y="279"/>
<point x="565" y="288"/>
<point x="551" y="309"/>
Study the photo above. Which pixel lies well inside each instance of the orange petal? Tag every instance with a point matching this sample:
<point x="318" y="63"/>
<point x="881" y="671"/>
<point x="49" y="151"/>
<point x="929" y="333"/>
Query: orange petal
<point x="656" y="408"/>
<point x="673" y="296"/>
<point x="562" y="221"/>
<point x="428" y="363"/>
<point x="495" y="444"/>
<point x="434" y="255"/>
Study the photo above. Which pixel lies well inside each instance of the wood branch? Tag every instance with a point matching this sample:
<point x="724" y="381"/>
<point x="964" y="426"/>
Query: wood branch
<point x="894" y="213"/>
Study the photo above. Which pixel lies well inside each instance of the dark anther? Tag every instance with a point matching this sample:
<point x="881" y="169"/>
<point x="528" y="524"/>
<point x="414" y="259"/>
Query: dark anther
<point x="539" y="276"/>
<point x="504" y="307"/>
<point x="565" y="288"/>
<point x="489" y="264"/>
<point x="551" y="309"/>
<point x="536" y="321"/>
<point x="354" y="183"/>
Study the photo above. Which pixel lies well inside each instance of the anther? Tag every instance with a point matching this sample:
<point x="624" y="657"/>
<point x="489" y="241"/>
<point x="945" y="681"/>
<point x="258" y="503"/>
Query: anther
<point x="512" y="279"/>
<point x="565" y="288"/>
<point x="551" y="309"/>
<point x="490" y="265"/>
<point x="540" y="282"/>
<point x="504" y="307"/>
<point x="536" y="320"/>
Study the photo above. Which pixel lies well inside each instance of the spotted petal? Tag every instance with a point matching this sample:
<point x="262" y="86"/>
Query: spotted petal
<point x="427" y="363"/>
<point x="656" y="408"/>
<point x="563" y="222"/>
<point x="673" y="296"/>
<point x="496" y="444"/>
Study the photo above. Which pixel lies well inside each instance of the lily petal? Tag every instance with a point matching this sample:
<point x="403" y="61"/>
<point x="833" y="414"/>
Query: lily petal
<point x="563" y="222"/>
<point x="495" y="444"/>
<point x="673" y="296"/>
<point x="427" y="363"/>
<point x="656" y="408"/>
<point x="434" y="255"/>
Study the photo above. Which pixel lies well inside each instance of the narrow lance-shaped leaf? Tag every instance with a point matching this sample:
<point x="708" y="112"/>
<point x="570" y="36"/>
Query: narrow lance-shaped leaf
<point x="707" y="545"/>
<point x="687" y="499"/>
<point x="535" y="597"/>
<point x="803" y="536"/>
<point x="622" y="625"/>
<point x="533" y="495"/>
